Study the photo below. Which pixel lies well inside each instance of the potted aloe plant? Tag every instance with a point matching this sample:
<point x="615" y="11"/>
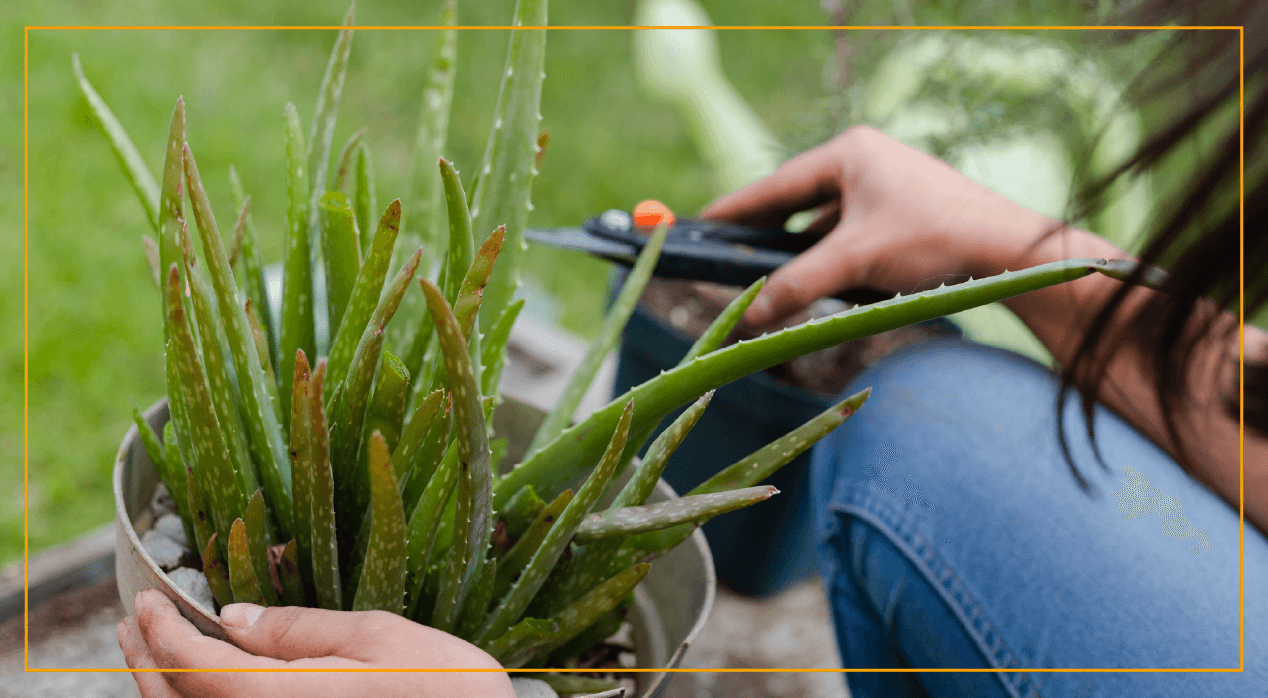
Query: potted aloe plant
<point x="362" y="475"/>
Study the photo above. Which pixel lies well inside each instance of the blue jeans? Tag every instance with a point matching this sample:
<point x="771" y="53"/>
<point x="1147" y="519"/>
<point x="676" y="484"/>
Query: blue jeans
<point x="951" y="534"/>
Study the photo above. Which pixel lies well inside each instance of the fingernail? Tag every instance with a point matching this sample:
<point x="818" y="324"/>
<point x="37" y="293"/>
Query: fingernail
<point x="240" y="615"/>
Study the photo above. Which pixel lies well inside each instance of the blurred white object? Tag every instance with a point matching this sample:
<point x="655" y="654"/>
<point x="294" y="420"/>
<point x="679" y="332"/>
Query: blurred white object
<point x="682" y="66"/>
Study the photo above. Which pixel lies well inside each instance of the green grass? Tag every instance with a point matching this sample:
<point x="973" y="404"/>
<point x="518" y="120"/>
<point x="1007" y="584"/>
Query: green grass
<point x="94" y="314"/>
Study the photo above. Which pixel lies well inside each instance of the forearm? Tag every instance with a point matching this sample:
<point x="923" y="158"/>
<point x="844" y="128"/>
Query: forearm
<point x="1059" y="316"/>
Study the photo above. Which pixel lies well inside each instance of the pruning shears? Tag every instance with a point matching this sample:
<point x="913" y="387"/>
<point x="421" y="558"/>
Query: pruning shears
<point x="696" y="249"/>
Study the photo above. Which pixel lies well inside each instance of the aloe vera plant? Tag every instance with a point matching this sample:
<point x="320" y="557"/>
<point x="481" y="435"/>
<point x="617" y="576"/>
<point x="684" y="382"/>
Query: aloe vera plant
<point x="371" y="468"/>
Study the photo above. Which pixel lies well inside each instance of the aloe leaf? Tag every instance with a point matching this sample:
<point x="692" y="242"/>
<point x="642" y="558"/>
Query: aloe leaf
<point x="572" y="684"/>
<point x="152" y="259"/>
<point x="382" y="584"/>
<point x="415" y="433"/>
<point x="199" y="515"/>
<point x="516" y="560"/>
<point x="322" y="132"/>
<point x="531" y="581"/>
<point x="242" y="579"/>
<point x="609" y="334"/>
<point x="502" y="195"/>
<point x="348" y="415"/>
<point x="258" y="545"/>
<point x="292" y="580"/>
<point x="561" y="461"/>
<point x="172" y="211"/>
<point x="494" y="348"/>
<point x="325" y="540"/>
<point x="757" y="466"/>
<point x="342" y="253"/>
<point x="363" y="199"/>
<point x="265" y="438"/>
<point x="461" y="237"/>
<point x="386" y="413"/>
<point x="430" y="453"/>
<point x="302" y="465"/>
<point x="224" y="391"/>
<point x="364" y="299"/>
<point x="217" y="573"/>
<point x="176" y="486"/>
<point x="421" y="533"/>
<point x="474" y="525"/>
<point x="477" y="602"/>
<point x="150" y="440"/>
<point x="517" y="645"/>
<point x="591" y="607"/>
<point x="262" y="348"/>
<point x="520" y="511"/>
<point x="138" y="173"/>
<point x="239" y="231"/>
<point x="210" y="456"/>
<point x="253" y="271"/>
<point x="694" y="509"/>
<point x="297" y="282"/>
<point x="345" y="159"/>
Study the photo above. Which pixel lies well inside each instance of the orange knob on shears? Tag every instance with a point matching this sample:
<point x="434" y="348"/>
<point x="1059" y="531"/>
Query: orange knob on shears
<point x="651" y="213"/>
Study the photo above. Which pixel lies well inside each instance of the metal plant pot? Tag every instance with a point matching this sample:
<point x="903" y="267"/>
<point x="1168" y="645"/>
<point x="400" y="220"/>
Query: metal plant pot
<point x="670" y="605"/>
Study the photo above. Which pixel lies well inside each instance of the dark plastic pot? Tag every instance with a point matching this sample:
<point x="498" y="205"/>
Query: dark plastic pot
<point x="758" y="550"/>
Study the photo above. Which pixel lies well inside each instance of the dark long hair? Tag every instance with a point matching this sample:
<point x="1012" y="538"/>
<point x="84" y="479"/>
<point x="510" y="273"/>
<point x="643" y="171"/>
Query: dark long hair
<point x="1198" y="236"/>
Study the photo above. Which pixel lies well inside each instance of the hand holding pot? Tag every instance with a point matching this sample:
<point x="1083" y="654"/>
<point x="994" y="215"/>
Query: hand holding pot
<point x="897" y="220"/>
<point x="291" y="639"/>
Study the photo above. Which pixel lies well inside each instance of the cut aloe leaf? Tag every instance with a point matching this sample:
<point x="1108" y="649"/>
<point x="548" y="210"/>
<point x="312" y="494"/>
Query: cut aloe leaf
<point x="382" y="583"/>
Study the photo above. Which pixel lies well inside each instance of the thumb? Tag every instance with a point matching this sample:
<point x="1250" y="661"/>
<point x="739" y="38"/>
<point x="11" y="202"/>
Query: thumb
<point x="292" y="632"/>
<point x="819" y="272"/>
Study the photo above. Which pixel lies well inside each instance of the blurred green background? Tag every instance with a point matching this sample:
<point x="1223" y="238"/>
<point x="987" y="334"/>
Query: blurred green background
<point x="94" y="313"/>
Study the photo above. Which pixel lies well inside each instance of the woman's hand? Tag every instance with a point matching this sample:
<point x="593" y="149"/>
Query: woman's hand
<point x="296" y="639"/>
<point x="899" y="221"/>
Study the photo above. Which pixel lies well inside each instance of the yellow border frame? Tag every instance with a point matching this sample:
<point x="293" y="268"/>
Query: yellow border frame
<point x="1241" y="117"/>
